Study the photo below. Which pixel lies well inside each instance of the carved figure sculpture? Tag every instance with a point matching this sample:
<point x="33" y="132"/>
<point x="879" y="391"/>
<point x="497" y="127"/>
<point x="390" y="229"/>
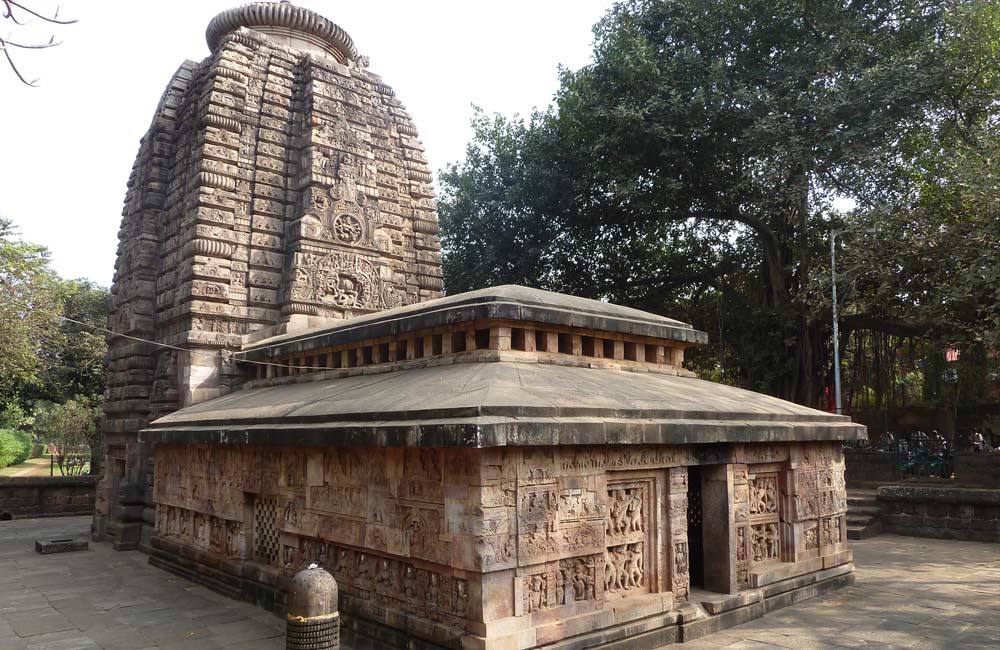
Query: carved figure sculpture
<point x="766" y="542"/>
<point x="363" y="577"/>
<point x="681" y="558"/>
<point x="620" y="511"/>
<point x="620" y="559"/>
<point x="635" y="513"/>
<point x="609" y="571"/>
<point x="434" y="589"/>
<point x="536" y="593"/>
<point x="763" y="495"/>
<point x="410" y="582"/>
<point x="461" y="597"/>
<point x="634" y="569"/>
<point x="384" y="579"/>
<point x="772" y="541"/>
<point x="579" y="580"/>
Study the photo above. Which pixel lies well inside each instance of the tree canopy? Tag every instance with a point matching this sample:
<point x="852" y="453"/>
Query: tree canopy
<point x="694" y="168"/>
<point x="47" y="357"/>
<point x="28" y="310"/>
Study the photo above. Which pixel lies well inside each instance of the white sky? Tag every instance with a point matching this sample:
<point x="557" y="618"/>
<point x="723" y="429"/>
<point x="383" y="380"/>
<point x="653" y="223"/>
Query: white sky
<point x="66" y="148"/>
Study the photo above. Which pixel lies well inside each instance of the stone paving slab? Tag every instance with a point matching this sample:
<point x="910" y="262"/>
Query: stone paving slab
<point x="911" y="593"/>
<point x="101" y="599"/>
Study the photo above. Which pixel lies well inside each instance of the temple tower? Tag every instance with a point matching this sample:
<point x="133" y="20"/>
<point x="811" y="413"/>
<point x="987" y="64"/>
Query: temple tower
<point x="280" y="187"/>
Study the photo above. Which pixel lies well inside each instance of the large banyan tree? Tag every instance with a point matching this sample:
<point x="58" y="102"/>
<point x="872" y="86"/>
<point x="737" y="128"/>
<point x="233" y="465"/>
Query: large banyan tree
<point x="695" y="167"/>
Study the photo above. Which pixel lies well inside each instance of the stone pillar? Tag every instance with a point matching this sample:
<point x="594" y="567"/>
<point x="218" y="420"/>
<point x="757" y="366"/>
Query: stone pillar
<point x="500" y="338"/>
<point x="313" y="621"/>
<point x="718" y="517"/>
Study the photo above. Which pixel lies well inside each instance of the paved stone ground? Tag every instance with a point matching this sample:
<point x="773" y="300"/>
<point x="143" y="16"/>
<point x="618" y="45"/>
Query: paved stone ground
<point x="912" y="593"/>
<point x="103" y="599"/>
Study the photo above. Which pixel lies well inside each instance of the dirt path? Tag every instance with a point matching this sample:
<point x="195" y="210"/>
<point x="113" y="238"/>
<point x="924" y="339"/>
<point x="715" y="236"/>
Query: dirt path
<point x="33" y="467"/>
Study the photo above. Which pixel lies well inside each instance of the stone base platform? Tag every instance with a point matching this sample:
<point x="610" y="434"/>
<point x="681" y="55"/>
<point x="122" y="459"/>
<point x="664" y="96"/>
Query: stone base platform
<point x="732" y="610"/>
<point x="706" y="613"/>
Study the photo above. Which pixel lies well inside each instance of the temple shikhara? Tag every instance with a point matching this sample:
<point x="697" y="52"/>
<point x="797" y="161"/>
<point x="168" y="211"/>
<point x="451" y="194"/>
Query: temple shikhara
<point x="508" y="468"/>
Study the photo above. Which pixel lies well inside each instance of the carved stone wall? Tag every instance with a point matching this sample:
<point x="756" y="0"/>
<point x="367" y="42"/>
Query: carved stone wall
<point x="494" y="541"/>
<point x="815" y="502"/>
<point x="275" y="189"/>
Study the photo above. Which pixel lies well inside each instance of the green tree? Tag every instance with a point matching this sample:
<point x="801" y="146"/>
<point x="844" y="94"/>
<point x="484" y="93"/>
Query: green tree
<point x="933" y="266"/>
<point x="29" y="311"/>
<point x="691" y="169"/>
<point x="13" y="416"/>
<point x="49" y="327"/>
<point x="506" y="198"/>
<point x="75" y="364"/>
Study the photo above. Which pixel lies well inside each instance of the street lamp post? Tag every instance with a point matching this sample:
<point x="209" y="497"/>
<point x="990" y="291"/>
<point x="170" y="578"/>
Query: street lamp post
<point x="836" y="328"/>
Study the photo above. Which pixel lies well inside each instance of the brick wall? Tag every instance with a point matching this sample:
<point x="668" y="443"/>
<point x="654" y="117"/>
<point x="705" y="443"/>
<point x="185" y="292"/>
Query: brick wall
<point x="59" y="496"/>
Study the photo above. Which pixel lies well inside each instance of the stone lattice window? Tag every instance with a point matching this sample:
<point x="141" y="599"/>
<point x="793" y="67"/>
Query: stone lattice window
<point x="265" y="530"/>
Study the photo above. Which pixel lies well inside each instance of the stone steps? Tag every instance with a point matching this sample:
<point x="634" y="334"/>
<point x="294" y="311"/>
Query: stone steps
<point x="863" y="513"/>
<point x="864" y="532"/>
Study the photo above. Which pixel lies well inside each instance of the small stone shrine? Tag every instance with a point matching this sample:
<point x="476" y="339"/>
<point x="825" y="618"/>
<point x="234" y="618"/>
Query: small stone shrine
<point x="502" y="469"/>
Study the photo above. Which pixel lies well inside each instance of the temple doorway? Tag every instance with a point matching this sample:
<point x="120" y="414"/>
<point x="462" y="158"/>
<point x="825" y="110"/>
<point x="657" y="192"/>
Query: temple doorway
<point x="696" y="548"/>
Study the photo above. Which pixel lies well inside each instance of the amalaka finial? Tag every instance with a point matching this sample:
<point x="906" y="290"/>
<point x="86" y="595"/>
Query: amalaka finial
<point x="286" y="24"/>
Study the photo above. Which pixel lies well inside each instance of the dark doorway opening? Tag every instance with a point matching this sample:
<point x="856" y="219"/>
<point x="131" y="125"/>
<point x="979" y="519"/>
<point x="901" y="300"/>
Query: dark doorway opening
<point x="6" y="516"/>
<point x="696" y="548"/>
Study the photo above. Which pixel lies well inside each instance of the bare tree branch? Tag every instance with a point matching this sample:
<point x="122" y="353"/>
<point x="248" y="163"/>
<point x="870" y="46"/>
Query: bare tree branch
<point x="54" y="19"/>
<point x="9" y="7"/>
<point x="13" y="66"/>
<point x="52" y="43"/>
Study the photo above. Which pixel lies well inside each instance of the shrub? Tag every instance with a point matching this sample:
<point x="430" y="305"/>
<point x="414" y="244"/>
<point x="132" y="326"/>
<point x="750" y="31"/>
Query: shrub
<point x="15" y="447"/>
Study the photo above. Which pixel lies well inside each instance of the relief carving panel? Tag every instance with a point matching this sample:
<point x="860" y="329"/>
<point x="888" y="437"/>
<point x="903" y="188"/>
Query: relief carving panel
<point x="764" y="534"/>
<point x="765" y="542"/>
<point x="624" y="568"/>
<point x="342" y="280"/>
<point x="569" y="581"/>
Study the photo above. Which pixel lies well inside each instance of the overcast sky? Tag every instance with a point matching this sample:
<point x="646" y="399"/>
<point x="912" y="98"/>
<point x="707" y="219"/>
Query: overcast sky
<point x="66" y="148"/>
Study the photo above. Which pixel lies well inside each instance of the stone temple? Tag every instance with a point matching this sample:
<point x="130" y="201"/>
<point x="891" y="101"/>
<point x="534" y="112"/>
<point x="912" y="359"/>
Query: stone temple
<point x="505" y="469"/>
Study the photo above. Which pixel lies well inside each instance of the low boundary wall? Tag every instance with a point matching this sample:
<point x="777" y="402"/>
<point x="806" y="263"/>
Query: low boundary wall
<point x="941" y="512"/>
<point x="979" y="470"/>
<point x="44" y="496"/>
<point x="863" y="467"/>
